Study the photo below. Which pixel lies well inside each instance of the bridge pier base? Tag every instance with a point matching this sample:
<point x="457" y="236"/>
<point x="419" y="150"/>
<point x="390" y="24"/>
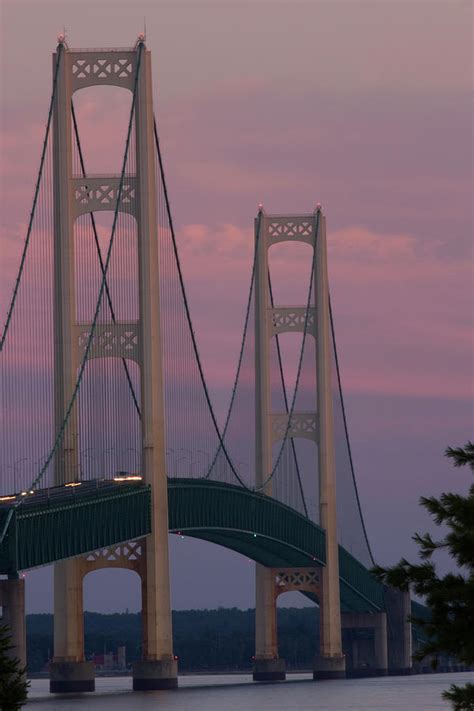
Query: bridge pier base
<point x="152" y="675"/>
<point x="267" y="665"/>
<point x="69" y="672"/>
<point x="71" y="677"/>
<point x="329" y="667"/>
<point x="398" y="606"/>
<point x="269" y="670"/>
<point x="371" y="661"/>
<point x="12" y="602"/>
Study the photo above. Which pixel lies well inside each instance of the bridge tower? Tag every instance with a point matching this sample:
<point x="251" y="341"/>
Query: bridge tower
<point x="311" y="229"/>
<point x="74" y="196"/>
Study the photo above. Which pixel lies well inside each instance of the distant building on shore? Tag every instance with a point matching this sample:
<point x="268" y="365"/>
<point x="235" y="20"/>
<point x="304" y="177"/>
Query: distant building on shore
<point x="110" y="661"/>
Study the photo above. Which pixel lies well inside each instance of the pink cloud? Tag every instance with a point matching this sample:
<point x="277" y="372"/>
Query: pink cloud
<point x="401" y="311"/>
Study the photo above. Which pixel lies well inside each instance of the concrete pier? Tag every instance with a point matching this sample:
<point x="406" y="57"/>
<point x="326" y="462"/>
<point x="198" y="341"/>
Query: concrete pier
<point x="269" y="669"/>
<point x="369" y="658"/>
<point x="12" y="602"/>
<point x="325" y="667"/>
<point x="152" y="675"/>
<point x="71" y="677"/>
<point x="399" y="632"/>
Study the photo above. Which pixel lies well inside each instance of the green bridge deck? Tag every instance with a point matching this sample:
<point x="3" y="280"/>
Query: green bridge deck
<point x="63" y="522"/>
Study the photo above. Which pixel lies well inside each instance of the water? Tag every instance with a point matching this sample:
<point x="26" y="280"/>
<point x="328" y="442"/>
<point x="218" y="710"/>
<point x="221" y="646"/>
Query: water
<point x="238" y="693"/>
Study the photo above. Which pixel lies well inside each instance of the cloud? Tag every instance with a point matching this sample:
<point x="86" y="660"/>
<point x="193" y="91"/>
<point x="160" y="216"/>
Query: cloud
<point x="401" y="311"/>
<point x="361" y="245"/>
<point x="402" y="314"/>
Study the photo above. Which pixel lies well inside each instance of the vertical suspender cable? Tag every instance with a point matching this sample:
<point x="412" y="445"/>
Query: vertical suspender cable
<point x="300" y="363"/>
<point x="101" y="261"/>
<point x="285" y="396"/>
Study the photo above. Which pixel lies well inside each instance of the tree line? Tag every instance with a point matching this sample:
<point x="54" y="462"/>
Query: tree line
<point x="222" y="639"/>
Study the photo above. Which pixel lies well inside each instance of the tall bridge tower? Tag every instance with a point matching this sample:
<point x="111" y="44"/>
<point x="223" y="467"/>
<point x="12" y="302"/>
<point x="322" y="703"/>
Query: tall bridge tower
<point x="74" y="196"/>
<point x="310" y="229"/>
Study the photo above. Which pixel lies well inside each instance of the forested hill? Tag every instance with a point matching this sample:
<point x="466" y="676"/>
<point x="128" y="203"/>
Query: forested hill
<point x="204" y="640"/>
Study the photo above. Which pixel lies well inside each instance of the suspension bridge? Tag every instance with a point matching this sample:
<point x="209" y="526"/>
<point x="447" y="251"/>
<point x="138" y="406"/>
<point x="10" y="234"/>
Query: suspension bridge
<point x="103" y="390"/>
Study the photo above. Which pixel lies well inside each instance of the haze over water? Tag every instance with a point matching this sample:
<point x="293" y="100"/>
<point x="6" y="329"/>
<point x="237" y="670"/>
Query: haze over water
<point x="238" y="693"/>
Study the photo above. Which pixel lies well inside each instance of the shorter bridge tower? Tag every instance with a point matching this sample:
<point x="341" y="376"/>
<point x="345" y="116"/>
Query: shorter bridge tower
<point x="310" y="229"/>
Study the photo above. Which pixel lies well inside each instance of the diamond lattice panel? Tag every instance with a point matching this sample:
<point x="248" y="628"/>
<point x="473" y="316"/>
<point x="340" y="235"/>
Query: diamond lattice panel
<point x="105" y="67"/>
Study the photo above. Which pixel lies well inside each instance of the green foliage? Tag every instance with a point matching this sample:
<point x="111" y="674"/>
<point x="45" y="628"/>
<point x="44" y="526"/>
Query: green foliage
<point x="461" y="697"/>
<point x="450" y="598"/>
<point x="13" y="684"/>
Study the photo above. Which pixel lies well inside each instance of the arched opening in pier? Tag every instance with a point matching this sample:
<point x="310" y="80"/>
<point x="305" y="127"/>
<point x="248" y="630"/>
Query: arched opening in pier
<point x="213" y="601"/>
<point x="208" y="577"/>
<point x="297" y="630"/>
<point x="112" y="618"/>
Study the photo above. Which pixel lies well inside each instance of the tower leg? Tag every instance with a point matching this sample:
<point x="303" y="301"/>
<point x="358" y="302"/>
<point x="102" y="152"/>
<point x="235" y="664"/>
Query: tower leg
<point x="158" y="667"/>
<point x="331" y="662"/>
<point x="69" y="672"/>
<point x="267" y="666"/>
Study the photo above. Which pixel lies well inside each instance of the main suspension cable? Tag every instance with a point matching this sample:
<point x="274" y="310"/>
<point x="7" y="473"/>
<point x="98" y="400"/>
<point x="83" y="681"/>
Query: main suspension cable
<point x="346" y="430"/>
<point x="35" y="200"/>
<point x="188" y="313"/>
<point x="194" y="342"/>
<point x="242" y="344"/>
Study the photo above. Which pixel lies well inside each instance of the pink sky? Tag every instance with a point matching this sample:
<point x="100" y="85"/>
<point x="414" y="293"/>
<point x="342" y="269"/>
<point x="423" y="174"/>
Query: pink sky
<point x="363" y="106"/>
